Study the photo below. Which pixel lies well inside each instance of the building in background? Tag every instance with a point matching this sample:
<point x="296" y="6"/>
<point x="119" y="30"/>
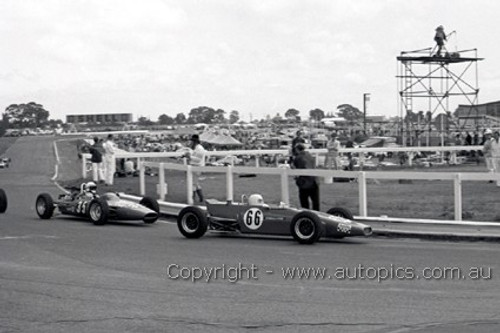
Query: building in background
<point x="485" y="115"/>
<point x="100" y="119"/>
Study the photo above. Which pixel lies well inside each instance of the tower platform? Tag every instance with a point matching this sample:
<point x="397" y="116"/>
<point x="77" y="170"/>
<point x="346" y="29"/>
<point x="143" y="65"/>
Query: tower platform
<point x="438" y="60"/>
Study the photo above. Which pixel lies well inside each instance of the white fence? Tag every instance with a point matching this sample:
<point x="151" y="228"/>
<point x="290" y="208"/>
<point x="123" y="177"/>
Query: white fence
<point x="327" y="175"/>
<point x="411" y="151"/>
<point x="285" y="173"/>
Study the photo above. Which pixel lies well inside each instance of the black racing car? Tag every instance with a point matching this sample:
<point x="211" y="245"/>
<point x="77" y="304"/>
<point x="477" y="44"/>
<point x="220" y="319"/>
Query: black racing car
<point x="3" y="201"/>
<point x="97" y="208"/>
<point x="306" y="226"/>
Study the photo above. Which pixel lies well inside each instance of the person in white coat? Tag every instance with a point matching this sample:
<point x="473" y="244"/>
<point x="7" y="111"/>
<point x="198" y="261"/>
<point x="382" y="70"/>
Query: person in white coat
<point x="197" y="158"/>
<point x="487" y="152"/>
<point x="109" y="160"/>
<point x="332" y="160"/>
<point x="495" y="153"/>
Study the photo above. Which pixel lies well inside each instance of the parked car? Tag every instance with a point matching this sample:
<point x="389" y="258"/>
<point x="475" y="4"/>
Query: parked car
<point x="227" y="160"/>
<point x="380" y="142"/>
<point x="4" y="162"/>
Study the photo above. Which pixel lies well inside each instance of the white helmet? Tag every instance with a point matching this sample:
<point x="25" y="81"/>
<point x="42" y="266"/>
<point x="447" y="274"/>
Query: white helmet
<point x="91" y="187"/>
<point x="256" y="200"/>
<point x="488" y="131"/>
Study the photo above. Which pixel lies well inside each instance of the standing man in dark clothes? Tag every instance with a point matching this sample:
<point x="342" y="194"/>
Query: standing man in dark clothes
<point x="96" y="150"/>
<point x="308" y="186"/>
<point x="468" y="139"/>
<point x="350" y="144"/>
<point x="475" y="142"/>
<point x="298" y="139"/>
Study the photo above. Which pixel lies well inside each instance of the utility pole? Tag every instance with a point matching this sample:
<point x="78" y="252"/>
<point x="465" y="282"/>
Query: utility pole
<point x="366" y="98"/>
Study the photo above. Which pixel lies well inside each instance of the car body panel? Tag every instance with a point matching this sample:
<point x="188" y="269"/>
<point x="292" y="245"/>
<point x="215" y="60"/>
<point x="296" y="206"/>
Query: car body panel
<point x="119" y="208"/>
<point x="276" y="219"/>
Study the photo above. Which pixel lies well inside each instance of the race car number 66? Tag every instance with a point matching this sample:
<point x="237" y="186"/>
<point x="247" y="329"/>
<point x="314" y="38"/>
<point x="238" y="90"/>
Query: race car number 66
<point x="253" y="218"/>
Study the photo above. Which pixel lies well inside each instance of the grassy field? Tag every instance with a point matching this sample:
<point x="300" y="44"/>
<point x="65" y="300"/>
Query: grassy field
<point x="417" y="199"/>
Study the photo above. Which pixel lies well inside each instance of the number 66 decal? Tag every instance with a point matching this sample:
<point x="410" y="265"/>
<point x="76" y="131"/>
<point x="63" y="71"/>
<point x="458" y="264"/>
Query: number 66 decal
<point x="253" y="218"/>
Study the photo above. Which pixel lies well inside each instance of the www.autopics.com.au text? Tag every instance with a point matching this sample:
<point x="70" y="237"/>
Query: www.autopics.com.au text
<point x="237" y="272"/>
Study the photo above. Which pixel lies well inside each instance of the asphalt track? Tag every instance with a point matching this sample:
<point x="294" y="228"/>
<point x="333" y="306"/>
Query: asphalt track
<point x="67" y="275"/>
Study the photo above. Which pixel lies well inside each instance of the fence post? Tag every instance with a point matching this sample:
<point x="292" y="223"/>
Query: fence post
<point x="285" y="195"/>
<point x="229" y="183"/>
<point x="457" y="182"/>
<point x="84" y="166"/>
<point x="189" y="185"/>
<point x="142" y="180"/>
<point x="363" y="210"/>
<point x="161" y="180"/>
<point x="257" y="158"/>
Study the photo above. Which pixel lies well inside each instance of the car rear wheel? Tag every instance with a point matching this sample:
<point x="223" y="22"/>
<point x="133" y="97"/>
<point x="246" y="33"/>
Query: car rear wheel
<point x="44" y="206"/>
<point x="153" y="205"/>
<point x="3" y="201"/>
<point x="306" y="228"/>
<point x="98" y="211"/>
<point x="340" y="212"/>
<point x="192" y="222"/>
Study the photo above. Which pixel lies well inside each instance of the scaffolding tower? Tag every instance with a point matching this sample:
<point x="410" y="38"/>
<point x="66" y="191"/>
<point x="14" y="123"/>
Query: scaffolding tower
<point x="426" y="83"/>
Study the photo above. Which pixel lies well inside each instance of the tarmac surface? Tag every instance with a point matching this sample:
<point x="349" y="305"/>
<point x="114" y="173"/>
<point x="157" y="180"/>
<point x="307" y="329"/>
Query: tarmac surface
<point x="67" y="275"/>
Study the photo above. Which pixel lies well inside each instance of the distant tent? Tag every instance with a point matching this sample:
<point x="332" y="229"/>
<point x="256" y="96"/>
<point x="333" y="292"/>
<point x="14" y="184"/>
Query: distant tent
<point x="207" y="137"/>
<point x="224" y="140"/>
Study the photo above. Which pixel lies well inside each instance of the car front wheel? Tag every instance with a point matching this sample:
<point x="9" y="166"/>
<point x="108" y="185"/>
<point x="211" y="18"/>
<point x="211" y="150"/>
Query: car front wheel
<point x="98" y="211"/>
<point x="44" y="206"/>
<point x="192" y="222"/>
<point x="153" y="205"/>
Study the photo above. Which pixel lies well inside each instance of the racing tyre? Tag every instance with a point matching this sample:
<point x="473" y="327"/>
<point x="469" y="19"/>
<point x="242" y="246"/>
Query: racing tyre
<point x="306" y="228"/>
<point x="44" y="206"/>
<point x="3" y="201"/>
<point x="151" y="204"/>
<point x="340" y="212"/>
<point x="192" y="222"/>
<point x="98" y="211"/>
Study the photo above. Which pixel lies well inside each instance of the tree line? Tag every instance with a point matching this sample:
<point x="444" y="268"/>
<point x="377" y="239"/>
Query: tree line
<point x="33" y="115"/>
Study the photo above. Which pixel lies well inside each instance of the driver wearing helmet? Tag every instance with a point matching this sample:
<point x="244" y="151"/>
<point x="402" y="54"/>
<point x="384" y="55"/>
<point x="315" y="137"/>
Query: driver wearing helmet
<point x="256" y="200"/>
<point x="89" y="189"/>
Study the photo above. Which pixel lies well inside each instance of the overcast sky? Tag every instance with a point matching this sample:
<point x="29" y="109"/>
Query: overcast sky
<point x="258" y="57"/>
